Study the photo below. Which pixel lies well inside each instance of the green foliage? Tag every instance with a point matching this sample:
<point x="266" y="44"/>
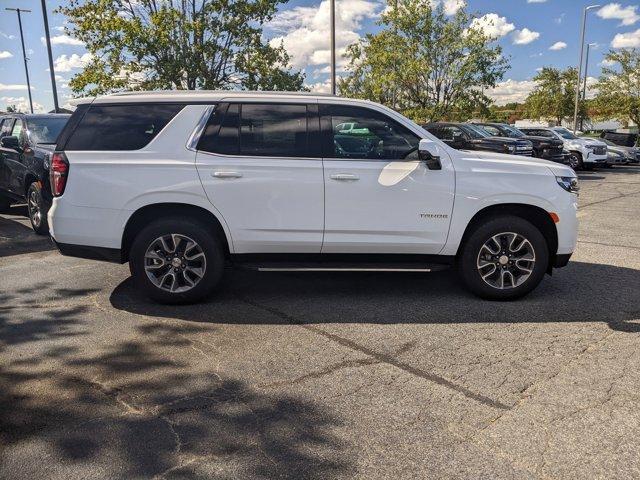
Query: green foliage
<point x="619" y="87"/>
<point x="177" y="44"/>
<point x="554" y="95"/>
<point x="428" y="65"/>
<point x="12" y="109"/>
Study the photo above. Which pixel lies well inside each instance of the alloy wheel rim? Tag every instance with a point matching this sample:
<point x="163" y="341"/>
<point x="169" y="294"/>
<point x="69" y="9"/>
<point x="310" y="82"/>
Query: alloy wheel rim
<point x="34" y="209"/>
<point x="175" y="263"/>
<point x="506" y="260"/>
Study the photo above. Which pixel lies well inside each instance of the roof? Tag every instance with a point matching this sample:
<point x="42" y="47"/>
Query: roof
<point x="194" y="96"/>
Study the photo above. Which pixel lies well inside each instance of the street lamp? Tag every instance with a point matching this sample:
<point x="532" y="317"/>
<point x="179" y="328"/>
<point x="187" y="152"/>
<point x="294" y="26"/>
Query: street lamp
<point x="332" y="4"/>
<point x="584" y="85"/>
<point x="52" y="73"/>
<point x="584" y="24"/>
<point x="19" y="11"/>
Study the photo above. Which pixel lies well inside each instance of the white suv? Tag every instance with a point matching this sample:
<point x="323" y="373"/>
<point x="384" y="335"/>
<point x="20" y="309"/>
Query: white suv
<point x="586" y="152"/>
<point x="180" y="184"/>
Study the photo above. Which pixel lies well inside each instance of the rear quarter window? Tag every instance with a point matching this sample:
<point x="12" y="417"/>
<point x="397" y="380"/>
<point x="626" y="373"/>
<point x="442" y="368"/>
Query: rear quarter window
<point x="120" y="127"/>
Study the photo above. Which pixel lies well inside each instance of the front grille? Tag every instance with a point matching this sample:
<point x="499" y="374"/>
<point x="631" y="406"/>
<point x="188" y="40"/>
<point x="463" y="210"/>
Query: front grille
<point x="599" y="150"/>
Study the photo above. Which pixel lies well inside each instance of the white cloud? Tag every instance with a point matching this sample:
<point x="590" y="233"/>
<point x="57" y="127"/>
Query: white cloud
<point x="626" y="40"/>
<point x="13" y="86"/>
<point x="626" y="15"/>
<point x="8" y="36"/>
<point x="22" y="104"/>
<point x="608" y="63"/>
<point x="492" y="25"/>
<point x="320" y="87"/>
<point x="5" y="54"/>
<point x="558" y="46"/>
<point x="560" y="19"/>
<point x="305" y="31"/>
<point x="536" y="1"/>
<point x="451" y="7"/>
<point x="63" y="39"/>
<point x="524" y="36"/>
<point x="66" y="63"/>
<point x="511" y="91"/>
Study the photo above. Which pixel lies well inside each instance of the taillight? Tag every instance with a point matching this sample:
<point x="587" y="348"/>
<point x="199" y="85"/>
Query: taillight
<point x="58" y="172"/>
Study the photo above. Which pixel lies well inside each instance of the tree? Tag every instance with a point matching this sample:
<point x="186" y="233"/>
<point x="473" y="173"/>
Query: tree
<point x="177" y="44"/>
<point x="12" y="109"/>
<point x="554" y="95"/>
<point x="619" y="87"/>
<point x="426" y="64"/>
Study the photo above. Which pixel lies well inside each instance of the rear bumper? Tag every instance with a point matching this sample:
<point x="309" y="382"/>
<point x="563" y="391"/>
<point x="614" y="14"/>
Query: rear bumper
<point x="113" y="255"/>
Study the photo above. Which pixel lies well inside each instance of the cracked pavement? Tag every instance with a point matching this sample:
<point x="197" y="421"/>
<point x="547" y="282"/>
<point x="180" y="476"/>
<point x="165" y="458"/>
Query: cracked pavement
<point x="336" y="375"/>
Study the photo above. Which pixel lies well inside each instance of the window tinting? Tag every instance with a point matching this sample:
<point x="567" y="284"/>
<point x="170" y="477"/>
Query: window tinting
<point x="17" y="129"/>
<point x="256" y="129"/>
<point x="5" y="127"/>
<point x="121" y="127"/>
<point x="46" y="129"/>
<point x="356" y="132"/>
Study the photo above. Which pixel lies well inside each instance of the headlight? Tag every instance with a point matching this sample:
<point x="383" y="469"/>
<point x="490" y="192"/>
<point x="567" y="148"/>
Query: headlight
<point x="570" y="184"/>
<point x="510" y="148"/>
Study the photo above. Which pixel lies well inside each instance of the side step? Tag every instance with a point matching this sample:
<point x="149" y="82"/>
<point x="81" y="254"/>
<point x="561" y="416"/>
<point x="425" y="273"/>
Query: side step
<point x="341" y="267"/>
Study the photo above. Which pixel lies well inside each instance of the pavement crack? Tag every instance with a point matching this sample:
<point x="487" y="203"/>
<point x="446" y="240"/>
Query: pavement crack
<point x="382" y="357"/>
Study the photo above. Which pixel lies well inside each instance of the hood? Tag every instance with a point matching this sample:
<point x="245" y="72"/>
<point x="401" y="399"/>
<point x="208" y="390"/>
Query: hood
<point x="552" y="141"/>
<point x="557" y="169"/>
<point x="589" y="142"/>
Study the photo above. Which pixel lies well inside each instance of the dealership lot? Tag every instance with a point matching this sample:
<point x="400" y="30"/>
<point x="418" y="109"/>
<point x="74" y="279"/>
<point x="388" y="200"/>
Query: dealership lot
<point x="335" y="375"/>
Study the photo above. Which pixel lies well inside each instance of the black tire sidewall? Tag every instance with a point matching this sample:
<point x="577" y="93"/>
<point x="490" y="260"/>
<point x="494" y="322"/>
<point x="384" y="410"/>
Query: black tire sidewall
<point x="467" y="261"/>
<point x="43" y="228"/>
<point x="208" y="241"/>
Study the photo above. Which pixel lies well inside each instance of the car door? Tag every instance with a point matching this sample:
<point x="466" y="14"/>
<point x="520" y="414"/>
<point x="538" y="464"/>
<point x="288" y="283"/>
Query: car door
<point x="14" y="161"/>
<point x="379" y="198"/>
<point x="10" y="157"/>
<point x="260" y="166"/>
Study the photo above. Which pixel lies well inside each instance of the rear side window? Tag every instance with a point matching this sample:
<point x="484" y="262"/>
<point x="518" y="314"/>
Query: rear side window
<point x="258" y="129"/>
<point x="5" y="127"/>
<point x="121" y="127"/>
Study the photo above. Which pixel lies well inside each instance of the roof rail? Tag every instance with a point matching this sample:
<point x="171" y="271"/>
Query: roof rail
<point x="217" y="92"/>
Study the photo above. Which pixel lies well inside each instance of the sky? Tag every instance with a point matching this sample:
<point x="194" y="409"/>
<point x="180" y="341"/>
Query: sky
<point x="533" y="34"/>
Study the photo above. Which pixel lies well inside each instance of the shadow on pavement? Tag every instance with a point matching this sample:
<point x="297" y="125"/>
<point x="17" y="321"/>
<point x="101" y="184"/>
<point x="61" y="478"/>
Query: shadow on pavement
<point x="18" y="237"/>
<point x="129" y="409"/>
<point x="581" y="292"/>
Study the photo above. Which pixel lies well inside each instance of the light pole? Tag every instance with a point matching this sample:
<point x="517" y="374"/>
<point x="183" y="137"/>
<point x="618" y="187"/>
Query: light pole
<point x="56" y="108"/>
<point x="24" y="53"/>
<point x="584" y="85"/>
<point x="584" y="25"/>
<point x="332" y="4"/>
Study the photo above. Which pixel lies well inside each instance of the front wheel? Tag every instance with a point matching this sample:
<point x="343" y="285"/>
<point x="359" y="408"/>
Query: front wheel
<point x="575" y="161"/>
<point x="38" y="209"/>
<point x="176" y="261"/>
<point x="504" y="258"/>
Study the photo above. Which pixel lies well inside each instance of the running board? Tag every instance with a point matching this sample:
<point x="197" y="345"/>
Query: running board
<point x="350" y="267"/>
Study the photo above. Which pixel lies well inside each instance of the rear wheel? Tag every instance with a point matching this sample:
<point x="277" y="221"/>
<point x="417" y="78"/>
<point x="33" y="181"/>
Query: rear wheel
<point x="504" y="258"/>
<point x="176" y="261"/>
<point x="38" y="209"/>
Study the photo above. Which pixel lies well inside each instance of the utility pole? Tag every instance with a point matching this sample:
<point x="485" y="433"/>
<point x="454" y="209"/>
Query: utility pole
<point x="24" y="52"/>
<point x="56" y="108"/>
<point x="332" y="4"/>
<point x="584" y="85"/>
<point x="584" y="25"/>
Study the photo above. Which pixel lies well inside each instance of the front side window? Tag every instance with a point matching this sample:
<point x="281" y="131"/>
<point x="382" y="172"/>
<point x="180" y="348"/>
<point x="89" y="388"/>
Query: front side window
<point x="513" y="132"/>
<point x="357" y="132"/>
<point x="492" y="130"/>
<point x="5" y="127"/>
<point x="257" y="129"/>
<point x="475" y="132"/>
<point x="121" y="127"/>
<point x="564" y="133"/>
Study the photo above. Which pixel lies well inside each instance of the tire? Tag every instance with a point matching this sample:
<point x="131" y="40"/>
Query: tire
<point x="152" y="273"/>
<point x="578" y="161"/>
<point x="38" y="208"/>
<point x="472" y="263"/>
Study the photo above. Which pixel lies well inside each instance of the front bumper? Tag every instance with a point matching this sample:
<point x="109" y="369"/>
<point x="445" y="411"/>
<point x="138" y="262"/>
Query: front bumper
<point x="561" y="260"/>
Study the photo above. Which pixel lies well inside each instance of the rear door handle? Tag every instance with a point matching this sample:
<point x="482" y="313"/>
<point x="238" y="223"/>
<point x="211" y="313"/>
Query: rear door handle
<point x="226" y="174"/>
<point x="344" y="176"/>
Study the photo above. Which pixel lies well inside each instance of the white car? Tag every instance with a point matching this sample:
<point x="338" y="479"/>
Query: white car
<point x="180" y="184"/>
<point x="587" y="152"/>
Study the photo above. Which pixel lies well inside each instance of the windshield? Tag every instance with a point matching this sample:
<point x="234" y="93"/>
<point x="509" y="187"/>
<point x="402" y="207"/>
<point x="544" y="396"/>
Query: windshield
<point x="46" y="129"/>
<point x="608" y="142"/>
<point x="474" y="131"/>
<point x="512" y="131"/>
<point x="564" y="133"/>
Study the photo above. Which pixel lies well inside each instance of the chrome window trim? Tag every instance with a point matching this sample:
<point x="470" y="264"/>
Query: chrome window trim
<point x="194" y="138"/>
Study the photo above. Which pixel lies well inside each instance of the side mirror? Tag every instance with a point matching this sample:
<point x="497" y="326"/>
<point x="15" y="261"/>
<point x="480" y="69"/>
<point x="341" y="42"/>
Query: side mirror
<point x="10" y="142"/>
<point x="429" y="153"/>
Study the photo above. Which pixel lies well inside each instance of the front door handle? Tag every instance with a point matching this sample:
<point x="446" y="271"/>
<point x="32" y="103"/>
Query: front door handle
<point x="344" y="176"/>
<point x="226" y="174"/>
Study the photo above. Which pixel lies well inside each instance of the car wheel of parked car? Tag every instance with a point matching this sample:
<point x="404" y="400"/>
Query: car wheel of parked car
<point x="176" y="261"/>
<point x="38" y="209"/>
<point x="576" y="159"/>
<point x="504" y="258"/>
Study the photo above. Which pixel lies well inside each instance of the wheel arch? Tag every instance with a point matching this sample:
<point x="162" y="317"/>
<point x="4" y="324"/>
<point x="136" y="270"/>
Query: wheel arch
<point x="534" y="214"/>
<point x="142" y="216"/>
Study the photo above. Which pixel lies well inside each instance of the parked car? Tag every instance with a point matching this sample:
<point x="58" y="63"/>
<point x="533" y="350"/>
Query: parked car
<point x="547" y="147"/>
<point x="630" y="154"/>
<point x="621" y="139"/>
<point x="181" y="183"/>
<point x="25" y="144"/>
<point x="587" y="152"/>
<point x="467" y="136"/>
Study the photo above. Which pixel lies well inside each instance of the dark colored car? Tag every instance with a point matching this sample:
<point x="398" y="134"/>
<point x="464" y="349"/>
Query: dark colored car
<point x="621" y="139"/>
<point x="26" y="142"/>
<point x="543" y="146"/>
<point x="466" y="136"/>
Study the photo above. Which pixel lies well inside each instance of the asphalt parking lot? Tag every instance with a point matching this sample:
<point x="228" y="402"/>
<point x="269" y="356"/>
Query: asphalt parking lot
<point x="326" y="375"/>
